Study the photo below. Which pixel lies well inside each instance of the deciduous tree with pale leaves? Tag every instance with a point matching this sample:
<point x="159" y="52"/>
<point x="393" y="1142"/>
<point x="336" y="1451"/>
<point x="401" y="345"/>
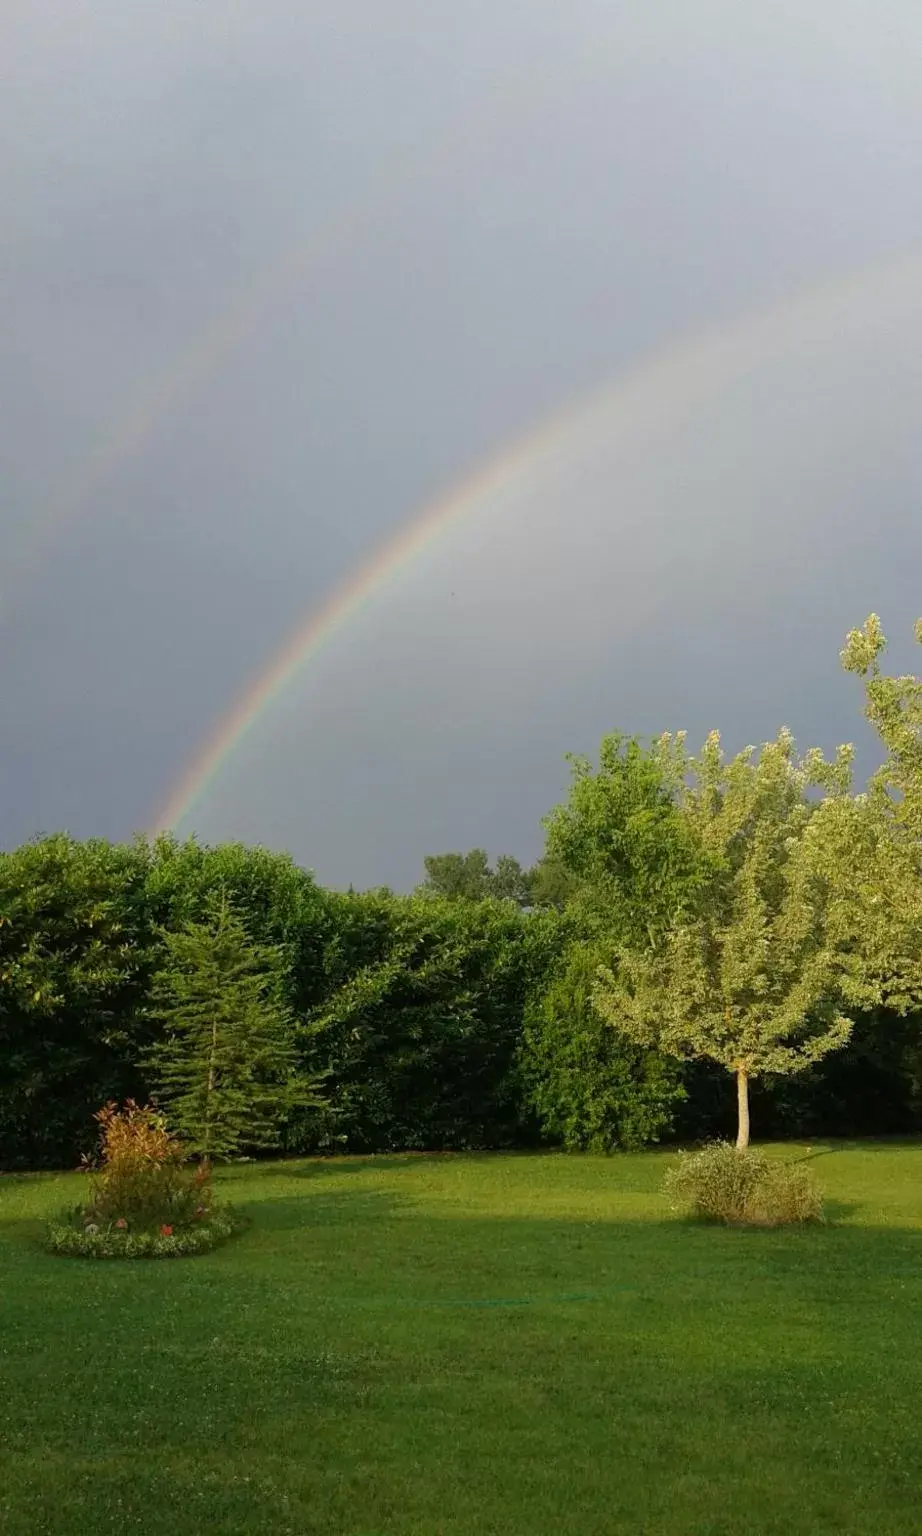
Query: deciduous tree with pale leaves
<point x="751" y="977"/>
<point x="874" y="843"/>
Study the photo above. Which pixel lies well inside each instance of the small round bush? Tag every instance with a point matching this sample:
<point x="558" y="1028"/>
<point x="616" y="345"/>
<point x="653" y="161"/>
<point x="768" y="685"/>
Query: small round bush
<point x="590" y="1089"/>
<point x="742" y="1187"/>
<point x="146" y="1201"/>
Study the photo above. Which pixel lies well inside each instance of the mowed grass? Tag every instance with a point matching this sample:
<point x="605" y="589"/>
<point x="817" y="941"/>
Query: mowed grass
<point x="411" y="1346"/>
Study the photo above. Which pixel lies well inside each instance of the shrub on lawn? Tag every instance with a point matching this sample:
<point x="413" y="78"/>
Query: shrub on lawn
<point x="143" y="1177"/>
<point x="742" y="1187"/>
<point x="590" y="1088"/>
<point x="145" y="1200"/>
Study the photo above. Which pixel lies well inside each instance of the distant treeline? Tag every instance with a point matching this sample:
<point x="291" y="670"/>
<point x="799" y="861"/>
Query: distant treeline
<point x="443" y="1022"/>
<point x="693" y="920"/>
<point x="416" y="1004"/>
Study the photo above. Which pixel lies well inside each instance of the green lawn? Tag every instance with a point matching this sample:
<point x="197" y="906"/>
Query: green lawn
<point x="410" y="1346"/>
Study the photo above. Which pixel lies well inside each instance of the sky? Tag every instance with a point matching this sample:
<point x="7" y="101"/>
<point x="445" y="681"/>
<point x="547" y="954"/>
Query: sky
<point x="619" y="307"/>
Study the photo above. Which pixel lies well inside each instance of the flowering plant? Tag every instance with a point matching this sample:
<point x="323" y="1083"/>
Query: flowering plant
<point x="145" y="1198"/>
<point x="68" y="1237"/>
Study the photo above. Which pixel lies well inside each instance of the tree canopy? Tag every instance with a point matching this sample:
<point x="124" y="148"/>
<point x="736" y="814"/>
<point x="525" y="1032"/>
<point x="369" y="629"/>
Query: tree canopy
<point x="745" y="911"/>
<point x="635" y="861"/>
<point x="469" y="877"/>
<point x="746" y="974"/>
<point x="873" y="843"/>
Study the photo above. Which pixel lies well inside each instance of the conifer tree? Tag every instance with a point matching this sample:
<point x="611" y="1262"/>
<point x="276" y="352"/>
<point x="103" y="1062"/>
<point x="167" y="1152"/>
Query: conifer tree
<point x="226" y="1068"/>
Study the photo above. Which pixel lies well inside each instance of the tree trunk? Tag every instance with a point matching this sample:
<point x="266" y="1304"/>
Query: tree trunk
<point x="206" y="1149"/>
<point x="742" y="1104"/>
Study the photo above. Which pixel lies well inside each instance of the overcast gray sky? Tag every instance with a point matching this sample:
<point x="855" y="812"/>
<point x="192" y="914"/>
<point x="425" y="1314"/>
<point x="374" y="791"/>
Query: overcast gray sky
<point x="275" y="277"/>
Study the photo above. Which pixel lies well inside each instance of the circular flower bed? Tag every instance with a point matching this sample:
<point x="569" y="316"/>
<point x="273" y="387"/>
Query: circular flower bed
<point x="145" y="1201"/>
<point x="75" y="1236"/>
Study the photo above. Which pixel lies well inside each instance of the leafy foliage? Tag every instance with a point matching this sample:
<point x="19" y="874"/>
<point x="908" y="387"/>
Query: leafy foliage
<point x="591" y="1088"/>
<point x="419" y="1032"/>
<point x="143" y="1178"/>
<point x="76" y="948"/>
<point x="146" y="1201"/>
<point x="635" y="861"/>
<point x="278" y="903"/>
<point x="468" y="877"/>
<point x="742" y="1187"/>
<point x="71" y="1238"/>
<point x="743" y="921"/>
<point x="551" y="884"/>
<point x="81" y="936"/>
<point x="872" y="846"/>
<point x="750" y="978"/>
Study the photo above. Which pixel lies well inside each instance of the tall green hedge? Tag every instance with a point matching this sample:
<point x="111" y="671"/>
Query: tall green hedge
<point x="411" y="1005"/>
<point x="75" y="951"/>
<point x="80" y="937"/>
<point x="420" y="1027"/>
<point x="440" y="1024"/>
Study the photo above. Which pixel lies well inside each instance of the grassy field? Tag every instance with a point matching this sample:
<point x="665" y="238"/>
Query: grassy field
<point x="411" y="1346"/>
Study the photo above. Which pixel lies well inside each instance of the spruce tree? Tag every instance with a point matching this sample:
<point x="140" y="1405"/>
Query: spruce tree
<point x="226" y="1068"/>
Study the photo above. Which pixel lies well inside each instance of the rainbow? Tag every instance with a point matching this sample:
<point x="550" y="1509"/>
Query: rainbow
<point x="669" y="382"/>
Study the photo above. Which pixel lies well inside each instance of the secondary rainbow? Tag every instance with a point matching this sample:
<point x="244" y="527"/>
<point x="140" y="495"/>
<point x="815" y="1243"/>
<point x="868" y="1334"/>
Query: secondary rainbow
<point x="199" y="359"/>
<point x="696" y="369"/>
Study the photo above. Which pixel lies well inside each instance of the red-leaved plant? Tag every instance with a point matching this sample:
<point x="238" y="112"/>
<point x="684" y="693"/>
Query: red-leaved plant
<point x="142" y="1180"/>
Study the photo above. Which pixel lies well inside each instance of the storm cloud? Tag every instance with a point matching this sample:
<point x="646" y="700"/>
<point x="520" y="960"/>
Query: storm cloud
<point x="276" y="278"/>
